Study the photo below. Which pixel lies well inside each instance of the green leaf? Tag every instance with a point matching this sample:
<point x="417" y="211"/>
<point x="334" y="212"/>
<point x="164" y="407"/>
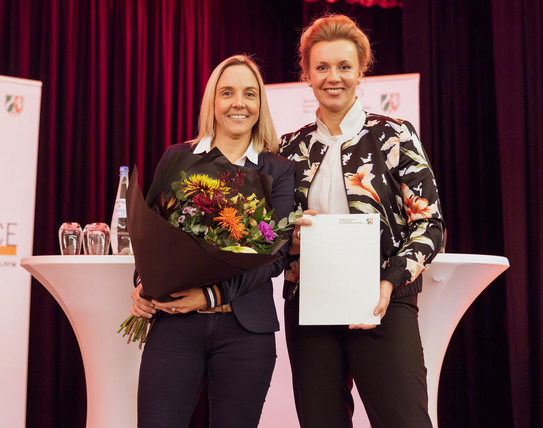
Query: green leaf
<point x="197" y="228"/>
<point x="294" y="215"/>
<point x="239" y="249"/>
<point x="259" y="210"/>
<point x="180" y="195"/>
<point x="174" y="219"/>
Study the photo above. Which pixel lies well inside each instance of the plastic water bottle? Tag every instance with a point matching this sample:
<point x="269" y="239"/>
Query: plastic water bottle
<point x="120" y="240"/>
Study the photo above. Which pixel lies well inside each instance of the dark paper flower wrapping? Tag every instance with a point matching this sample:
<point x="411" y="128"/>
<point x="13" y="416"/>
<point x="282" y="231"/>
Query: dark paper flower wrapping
<point x="169" y="259"/>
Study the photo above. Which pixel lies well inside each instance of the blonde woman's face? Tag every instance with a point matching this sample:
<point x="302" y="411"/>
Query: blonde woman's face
<point x="334" y="73"/>
<point x="237" y="102"/>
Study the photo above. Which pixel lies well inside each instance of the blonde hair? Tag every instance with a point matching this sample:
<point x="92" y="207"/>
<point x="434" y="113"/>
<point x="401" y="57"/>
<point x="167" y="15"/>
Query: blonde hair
<point x="263" y="133"/>
<point x="330" y="28"/>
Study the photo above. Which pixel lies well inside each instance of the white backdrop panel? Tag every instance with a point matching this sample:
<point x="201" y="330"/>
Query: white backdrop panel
<point x="293" y="105"/>
<point x="19" y="123"/>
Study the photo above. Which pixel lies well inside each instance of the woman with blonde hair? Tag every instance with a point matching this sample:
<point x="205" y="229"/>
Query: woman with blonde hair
<point x="263" y="133"/>
<point x="223" y="333"/>
<point x="351" y="161"/>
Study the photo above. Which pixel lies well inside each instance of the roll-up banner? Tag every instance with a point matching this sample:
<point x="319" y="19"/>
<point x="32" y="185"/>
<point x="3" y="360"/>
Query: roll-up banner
<point x="293" y="105"/>
<point x="19" y="123"/>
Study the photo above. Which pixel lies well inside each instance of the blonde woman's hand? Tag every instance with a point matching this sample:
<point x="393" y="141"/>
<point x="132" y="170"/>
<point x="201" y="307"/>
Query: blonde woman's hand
<point x="141" y="307"/>
<point x="185" y="301"/>
<point x="295" y="242"/>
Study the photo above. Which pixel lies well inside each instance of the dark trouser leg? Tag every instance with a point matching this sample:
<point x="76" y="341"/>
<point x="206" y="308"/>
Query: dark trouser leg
<point x="388" y="367"/>
<point x="172" y="371"/>
<point x="319" y="372"/>
<point x="240" y="368"/>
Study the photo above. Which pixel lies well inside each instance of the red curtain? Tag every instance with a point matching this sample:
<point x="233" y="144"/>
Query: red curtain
<point x="518" y="72"/>
<point x="449" y="43"/>
<point x="481" y="66"/>
<point x="366" y="3"/>
<point x="122" y="79"/>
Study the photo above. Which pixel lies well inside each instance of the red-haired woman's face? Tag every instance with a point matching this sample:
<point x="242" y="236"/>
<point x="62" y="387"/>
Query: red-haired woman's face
<point x="334" y="72"/>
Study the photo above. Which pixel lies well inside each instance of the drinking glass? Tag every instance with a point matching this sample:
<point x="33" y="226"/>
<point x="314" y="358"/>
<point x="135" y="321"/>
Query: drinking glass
<point x="96" y="239"/>
<point x="70" y="237"/>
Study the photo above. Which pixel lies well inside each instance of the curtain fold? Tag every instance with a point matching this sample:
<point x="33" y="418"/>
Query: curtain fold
<point x="482" y="107"/>
<point x="367" y="3"/>
<point x="122" y="81"/>
<point x="449" y="43"/>
<point x="518" y="73"/>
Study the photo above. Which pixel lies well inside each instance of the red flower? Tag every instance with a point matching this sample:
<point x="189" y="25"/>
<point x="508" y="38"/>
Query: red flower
<point x="205" y="204"/>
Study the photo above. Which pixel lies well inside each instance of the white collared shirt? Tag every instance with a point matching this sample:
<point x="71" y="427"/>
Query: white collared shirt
<point x="327" y="192"/>
<point x="204" y="146"/>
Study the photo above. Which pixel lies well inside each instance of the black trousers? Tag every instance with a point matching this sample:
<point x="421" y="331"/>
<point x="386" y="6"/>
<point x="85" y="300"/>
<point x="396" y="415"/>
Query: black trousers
<point x="183" y="350"/>
<point x="386" y="364"/>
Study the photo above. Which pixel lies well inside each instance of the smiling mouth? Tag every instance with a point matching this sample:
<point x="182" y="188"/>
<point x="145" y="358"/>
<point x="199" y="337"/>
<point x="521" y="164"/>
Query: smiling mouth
<point x="238" y="116"/>
<point x="334" y="90"/>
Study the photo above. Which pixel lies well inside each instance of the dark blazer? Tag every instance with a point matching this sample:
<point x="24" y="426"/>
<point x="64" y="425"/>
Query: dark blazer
<point x="251" y="294"/>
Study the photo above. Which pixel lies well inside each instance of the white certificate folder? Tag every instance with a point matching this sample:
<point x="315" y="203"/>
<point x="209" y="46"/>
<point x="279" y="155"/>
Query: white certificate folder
<point x="339" y="269"/>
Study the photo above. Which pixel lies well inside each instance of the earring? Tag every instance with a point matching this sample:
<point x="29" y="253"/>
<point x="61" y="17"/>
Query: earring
<point x="309" y="84"/>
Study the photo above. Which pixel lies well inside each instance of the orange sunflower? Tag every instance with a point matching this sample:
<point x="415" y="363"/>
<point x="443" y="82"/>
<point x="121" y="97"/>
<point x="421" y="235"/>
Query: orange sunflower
<point x="230" y="219"/>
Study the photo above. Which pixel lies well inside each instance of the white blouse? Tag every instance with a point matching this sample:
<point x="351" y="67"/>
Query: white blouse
<point x="327" y="192"/>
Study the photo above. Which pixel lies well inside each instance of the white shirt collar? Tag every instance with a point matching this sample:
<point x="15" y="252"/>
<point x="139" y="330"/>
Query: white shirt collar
<point x="204" y="145"/>
<point x="351" y="124"/>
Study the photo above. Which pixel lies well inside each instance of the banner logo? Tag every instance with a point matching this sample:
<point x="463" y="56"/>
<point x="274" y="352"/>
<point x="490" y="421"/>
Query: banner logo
<point x="390" y="102"/>
<point x="14" y="104"/>
<point x="8" y="232"/>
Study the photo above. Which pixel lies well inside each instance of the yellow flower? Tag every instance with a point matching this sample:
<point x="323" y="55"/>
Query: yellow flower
<point x="230" y="219"/>
<point x="201" y="183"/>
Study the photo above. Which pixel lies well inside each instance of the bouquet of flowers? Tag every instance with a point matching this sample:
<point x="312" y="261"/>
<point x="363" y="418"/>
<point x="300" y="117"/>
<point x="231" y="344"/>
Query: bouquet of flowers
<point x="208" y="216"/>
<point x="213" y="209"/>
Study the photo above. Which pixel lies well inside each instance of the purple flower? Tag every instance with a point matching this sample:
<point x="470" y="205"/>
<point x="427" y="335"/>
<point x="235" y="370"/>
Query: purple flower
<point x="267" y="231"/>
<point x="189" y="210"/>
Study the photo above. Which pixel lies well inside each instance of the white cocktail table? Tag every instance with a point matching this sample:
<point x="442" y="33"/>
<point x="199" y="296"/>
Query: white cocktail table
<point x="94" y="292"/>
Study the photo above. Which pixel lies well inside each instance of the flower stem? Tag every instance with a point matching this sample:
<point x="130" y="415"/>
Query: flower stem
<point x="137" y="329"/>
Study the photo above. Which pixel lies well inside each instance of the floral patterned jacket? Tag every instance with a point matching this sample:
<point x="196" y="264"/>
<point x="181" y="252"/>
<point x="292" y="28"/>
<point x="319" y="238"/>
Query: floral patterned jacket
<point x="385" y="171"/>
